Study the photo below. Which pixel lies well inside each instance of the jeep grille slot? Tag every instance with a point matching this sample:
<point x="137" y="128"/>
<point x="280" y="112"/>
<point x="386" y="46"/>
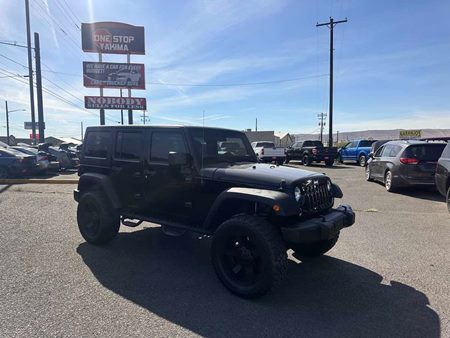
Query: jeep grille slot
<point x="317" y="197"/>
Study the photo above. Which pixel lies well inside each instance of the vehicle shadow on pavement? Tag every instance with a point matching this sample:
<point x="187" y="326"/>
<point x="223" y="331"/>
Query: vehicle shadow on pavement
<point x="4" y="188"/>
<point x="173" y="278"/>
<point x="423" y="193"/>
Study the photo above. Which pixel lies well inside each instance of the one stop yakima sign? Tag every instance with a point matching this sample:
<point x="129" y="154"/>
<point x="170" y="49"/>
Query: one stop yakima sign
<point x="112" y="102"/>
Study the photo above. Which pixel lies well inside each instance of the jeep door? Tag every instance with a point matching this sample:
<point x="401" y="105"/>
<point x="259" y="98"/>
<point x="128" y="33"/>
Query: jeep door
<point x="127" y="167"/>
<point x="167" y="188"/>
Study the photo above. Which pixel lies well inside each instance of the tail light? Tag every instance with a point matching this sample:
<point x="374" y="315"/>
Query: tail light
<point x="262" y="151"/>
<point x="406" y="160"/>
<point x="314" y="151"/>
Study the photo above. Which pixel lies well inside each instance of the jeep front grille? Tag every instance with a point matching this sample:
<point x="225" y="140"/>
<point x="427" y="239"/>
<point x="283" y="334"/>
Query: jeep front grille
<point x="317" y="196"/>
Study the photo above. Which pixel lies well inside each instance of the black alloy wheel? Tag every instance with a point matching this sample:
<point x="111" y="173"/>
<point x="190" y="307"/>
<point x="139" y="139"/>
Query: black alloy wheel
<point x="248" y="255"/>
<point x="306" y="161"/>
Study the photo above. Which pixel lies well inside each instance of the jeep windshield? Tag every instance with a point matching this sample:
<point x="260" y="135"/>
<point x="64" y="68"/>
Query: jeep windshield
<point x="221" y="146"/>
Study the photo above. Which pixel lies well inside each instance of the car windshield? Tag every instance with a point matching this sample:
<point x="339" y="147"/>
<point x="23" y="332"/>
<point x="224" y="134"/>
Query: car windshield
<point x="226" y="146"/>
<point x="425" y="152"/>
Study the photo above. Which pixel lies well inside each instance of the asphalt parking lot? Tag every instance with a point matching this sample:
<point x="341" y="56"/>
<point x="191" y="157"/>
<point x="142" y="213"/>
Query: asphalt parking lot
<point x="387" y="276"/>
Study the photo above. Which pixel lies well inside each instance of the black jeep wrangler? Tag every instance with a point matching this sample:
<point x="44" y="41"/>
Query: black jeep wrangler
<point x="184" y="179"/>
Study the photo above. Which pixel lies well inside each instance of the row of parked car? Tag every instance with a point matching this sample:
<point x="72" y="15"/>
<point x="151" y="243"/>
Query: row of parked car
<point x="407" y="163"/>
<point x="396" y="163"/>
<point x="26" y="160"/>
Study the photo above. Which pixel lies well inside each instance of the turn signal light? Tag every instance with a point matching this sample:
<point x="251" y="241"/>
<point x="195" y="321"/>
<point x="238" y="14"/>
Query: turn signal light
<point x="276" y="208"/>
<point x="406" y="160"/>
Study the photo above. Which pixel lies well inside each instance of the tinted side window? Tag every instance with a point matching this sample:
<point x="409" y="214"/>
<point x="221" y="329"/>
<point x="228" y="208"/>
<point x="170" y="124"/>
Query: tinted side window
<point x="128" y="145"/>
<point x="387" y="149"/>
<point x="379" y="151"/>
<point x="164" y="142"/>
<point x="307" y="144"/>
<point x="395" y="150"/>
<point x="97" y="144"/>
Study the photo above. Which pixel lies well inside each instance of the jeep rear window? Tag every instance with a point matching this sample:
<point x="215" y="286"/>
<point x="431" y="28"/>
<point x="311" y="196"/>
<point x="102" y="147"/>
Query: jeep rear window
<point x="164" y="142"/>
<point x="97" y="144"/>
<point x="425" y="152"/>
<point x="129" y="145"/>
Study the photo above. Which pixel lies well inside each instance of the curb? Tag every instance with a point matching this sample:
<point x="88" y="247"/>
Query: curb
<point x="8" y="181"/>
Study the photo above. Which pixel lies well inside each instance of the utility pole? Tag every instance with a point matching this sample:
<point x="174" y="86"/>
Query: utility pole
<point x="40" y="104"/>
<point x="130" y="112"/>
<point x="102" y="111"/>
<point x="7" y="123"/>
<point x="321" y="117"/>
<point x="82" y="131"/>
<point x="30" y="70"/>
<point x="331" y="25"/>
<point x="256" y="125"/>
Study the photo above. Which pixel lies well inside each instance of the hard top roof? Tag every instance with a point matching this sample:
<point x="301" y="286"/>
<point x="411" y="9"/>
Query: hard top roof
<point x="141" y="126"/>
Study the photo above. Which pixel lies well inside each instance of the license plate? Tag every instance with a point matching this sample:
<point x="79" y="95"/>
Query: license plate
<point x="326" y="157"/>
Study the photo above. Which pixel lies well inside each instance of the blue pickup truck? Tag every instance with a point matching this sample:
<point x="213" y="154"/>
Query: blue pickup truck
<point x="355" y="151"/>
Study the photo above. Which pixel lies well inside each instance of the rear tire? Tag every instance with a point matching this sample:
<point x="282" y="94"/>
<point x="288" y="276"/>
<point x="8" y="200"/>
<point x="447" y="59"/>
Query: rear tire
<point x="329" y="163"/>
<point x="280" y="162"/>
<point x="287" y="160"/>
<point x="306" y="161"/>
<point x="362" y="160"/>
<point x="389" y="182"/>
<point x="98" y="221"/>
<point x="248" y="255"/>
<point x="315" y="249"/>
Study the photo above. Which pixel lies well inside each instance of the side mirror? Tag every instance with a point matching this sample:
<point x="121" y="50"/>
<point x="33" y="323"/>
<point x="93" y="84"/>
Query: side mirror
<point x="178" y="159"/>
<point x="370" y="155"/>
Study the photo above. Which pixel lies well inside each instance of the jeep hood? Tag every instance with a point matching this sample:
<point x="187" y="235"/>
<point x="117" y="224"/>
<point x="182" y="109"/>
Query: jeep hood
<point x="257" y="174"/>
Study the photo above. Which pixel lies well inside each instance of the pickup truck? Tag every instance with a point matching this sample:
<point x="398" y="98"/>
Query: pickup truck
<point x="356" y="151"/>
<point x="267" y="152"/>
<point x="311" y="151"/>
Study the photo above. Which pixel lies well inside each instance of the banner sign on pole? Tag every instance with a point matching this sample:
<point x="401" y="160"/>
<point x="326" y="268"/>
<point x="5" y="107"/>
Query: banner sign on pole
<point x="112" y="38"/>
<point x="112" y="102"/>
<point x="113" y="75"/>
<point x="409" y="134"/>
<point x="29" y="125"/>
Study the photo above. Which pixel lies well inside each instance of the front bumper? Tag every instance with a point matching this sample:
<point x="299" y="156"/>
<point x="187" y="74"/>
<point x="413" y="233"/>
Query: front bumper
<point x="320" y="228"/>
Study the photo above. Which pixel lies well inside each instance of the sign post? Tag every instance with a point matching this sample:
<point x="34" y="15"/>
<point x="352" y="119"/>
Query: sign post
<point x="113" y="38"/>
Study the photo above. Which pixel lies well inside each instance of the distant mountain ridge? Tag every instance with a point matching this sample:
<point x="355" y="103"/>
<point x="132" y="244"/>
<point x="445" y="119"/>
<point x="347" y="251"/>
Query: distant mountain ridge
<point x="373" y="134"/>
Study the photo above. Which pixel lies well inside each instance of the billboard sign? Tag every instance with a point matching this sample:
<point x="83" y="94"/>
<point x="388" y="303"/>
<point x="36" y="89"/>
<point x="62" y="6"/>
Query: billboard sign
<point x="112" y="102"/>
<point x="112" y="38"/>
<point x="29" y="125"/>
<point x="409" y="134"/>
<point x="113" y="75"/>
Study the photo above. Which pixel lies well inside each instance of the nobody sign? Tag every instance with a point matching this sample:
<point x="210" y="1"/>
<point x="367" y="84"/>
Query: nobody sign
<point x="112" y="102"/>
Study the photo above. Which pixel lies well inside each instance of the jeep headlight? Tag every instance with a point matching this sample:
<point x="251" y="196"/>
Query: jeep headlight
<point x="297" y="194"/>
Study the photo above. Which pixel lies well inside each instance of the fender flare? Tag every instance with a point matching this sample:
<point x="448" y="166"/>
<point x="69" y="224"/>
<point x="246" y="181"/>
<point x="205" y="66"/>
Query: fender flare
<point x="102" y="183"/>
<point x="288" y="206"/>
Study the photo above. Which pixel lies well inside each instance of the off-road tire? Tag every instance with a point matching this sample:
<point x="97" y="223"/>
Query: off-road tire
<point x="315" y="249"/>
<point x="232" y="258"/>
<point x="367" y="174"/>
<point x="389" y="181"/>
<point x="98" y="221"/>
<point x="306" y="161"/>
<point x="362" y="160"/>
<point x="329" y="163"/>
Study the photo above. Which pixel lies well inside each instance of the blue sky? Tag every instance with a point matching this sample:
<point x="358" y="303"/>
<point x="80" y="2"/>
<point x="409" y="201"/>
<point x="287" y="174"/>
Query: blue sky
<point x="391" y="62"/>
